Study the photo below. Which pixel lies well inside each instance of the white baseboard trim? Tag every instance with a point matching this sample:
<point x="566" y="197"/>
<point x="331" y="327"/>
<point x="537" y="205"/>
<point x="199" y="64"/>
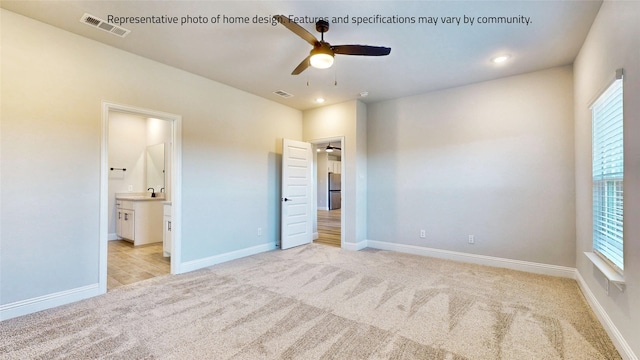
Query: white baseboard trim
<point x="355" y="246"/>
<point x="28" y="306"/>
<point x="323" y="208"/>
<point x="532" y="267"/>
<point x="217" y="259"/>
<point x="113" y="236"/>
<point x="618" y="340"/>
<point x="537" y="268"/>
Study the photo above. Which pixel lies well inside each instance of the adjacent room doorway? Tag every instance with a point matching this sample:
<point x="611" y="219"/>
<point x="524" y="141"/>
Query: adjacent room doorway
<point x="329" y="191"/>
<point x="312" y="193"/>
<point x="173" y="152"/>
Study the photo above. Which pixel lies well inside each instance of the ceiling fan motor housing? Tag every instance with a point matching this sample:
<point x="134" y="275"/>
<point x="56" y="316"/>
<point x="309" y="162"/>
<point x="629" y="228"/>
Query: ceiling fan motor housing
<point x="322" y="48"/>
<point x="322" y="26"/>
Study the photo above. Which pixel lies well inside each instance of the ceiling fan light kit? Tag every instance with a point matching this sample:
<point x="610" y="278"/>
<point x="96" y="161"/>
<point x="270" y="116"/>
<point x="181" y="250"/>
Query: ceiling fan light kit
<point x="322" y="54"/>
<point x="320" y="59"/>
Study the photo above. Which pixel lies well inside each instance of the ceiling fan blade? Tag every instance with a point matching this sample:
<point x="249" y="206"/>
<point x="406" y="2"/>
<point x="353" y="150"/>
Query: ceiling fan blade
<point x="364" y="50"/>
<point x="296" y="29"/>
<point x="302" y="67"/>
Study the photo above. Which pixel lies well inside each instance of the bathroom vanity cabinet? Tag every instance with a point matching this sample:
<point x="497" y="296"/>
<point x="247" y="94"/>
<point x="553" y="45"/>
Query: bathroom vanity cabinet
<point x="139" y="219"/>
<point x="125" y="220"/>
<point x="166" y="232"/>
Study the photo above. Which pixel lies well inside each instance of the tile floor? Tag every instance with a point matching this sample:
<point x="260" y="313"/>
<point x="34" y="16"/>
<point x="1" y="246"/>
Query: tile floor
<point x="127" y="264"/>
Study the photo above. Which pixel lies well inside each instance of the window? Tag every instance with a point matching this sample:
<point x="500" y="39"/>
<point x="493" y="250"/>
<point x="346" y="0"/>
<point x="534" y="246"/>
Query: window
<point x="608" y="174"/>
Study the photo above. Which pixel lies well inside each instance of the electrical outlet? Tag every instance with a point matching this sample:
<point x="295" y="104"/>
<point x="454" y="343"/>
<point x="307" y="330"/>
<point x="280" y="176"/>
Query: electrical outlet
<point x="472" y="239"/>
<point x="259" y="231"/>
<point x="130" y="188"/>
<point x="423" y="234"/>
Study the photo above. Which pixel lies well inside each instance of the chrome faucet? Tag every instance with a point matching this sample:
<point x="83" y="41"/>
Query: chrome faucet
<point x="153" y="191"/>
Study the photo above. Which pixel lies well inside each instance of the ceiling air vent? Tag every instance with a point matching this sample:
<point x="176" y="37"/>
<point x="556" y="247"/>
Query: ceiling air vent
<point x="103" y="25"/>
<point x="284" y="94"/>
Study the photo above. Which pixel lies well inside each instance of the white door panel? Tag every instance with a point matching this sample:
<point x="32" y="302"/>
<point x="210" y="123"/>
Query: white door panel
<point x="296" y="194"/>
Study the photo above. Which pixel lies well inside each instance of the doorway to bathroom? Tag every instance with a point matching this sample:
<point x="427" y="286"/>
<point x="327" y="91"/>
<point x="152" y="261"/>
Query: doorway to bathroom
<point x="140" y="195"/>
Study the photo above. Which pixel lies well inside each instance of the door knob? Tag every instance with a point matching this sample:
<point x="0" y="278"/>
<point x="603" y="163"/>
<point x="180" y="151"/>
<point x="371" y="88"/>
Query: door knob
<point x="285" y="199"/>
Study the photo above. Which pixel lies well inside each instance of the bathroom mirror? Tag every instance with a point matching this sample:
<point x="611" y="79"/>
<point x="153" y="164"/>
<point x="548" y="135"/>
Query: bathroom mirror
<point x="155" y="167"/>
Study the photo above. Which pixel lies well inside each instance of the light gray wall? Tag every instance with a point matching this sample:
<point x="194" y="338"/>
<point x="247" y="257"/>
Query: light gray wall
<point x="344" y="120"/>
<point x="612" y="43"/>
<point x="493" y="160"/>
<point x="361" y="171"/>
<point x="322" y="186"/>
<point x="53" y="83"/>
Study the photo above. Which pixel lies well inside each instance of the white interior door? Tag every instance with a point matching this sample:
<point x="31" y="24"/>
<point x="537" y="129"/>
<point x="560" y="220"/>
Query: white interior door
<point x="296" y="194"/>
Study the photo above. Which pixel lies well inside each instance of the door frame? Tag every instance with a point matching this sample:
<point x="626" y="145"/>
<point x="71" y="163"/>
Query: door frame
<point x="176" y="184"/>
<point x="342" y="180"/>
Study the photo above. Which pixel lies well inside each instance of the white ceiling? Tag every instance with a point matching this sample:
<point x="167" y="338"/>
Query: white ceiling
<point x="259" y="58"/>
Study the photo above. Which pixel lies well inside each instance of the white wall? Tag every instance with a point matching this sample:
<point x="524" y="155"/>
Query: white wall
<point x="127" y="145"/>
<point x="53" y="83"/>
<point x="345" y="119"/>
<point x="493" y="160"/>
<point x="158" y="131"/>
<point x="613" y="42"/>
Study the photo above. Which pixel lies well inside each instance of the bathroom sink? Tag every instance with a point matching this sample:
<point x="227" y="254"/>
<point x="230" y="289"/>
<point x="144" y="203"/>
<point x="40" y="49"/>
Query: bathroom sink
<point x="139" y="197"/>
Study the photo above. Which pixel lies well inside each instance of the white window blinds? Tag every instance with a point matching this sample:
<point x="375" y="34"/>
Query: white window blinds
<point x="608" y="171"/>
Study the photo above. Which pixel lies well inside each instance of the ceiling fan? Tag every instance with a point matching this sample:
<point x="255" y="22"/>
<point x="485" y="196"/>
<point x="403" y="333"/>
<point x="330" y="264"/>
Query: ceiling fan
<point x="330" y="148"/>
<point x="321" y="56"/>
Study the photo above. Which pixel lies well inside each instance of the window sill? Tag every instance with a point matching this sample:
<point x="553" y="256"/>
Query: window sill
<point x="606" y="270"/>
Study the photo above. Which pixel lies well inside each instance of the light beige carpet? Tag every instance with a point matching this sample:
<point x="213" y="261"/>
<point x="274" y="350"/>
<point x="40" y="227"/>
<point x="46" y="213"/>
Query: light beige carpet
<point x="320" y="302"/>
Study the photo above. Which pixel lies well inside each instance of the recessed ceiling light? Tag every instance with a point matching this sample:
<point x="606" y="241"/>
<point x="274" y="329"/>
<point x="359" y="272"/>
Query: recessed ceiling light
<point x="500" y="59"/>
<point x="319" y="100"/>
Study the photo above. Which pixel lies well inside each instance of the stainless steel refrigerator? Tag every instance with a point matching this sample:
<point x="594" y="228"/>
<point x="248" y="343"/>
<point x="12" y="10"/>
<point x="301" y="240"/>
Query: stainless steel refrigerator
<point x="335" y="197"/>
